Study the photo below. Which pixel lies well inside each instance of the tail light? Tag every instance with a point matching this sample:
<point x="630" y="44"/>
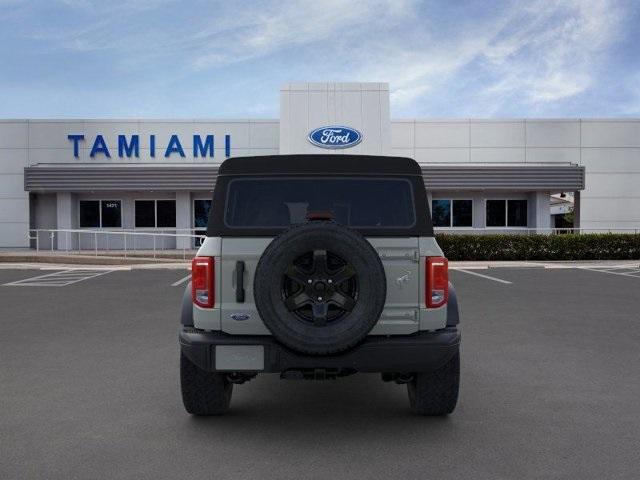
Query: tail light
<point x="437" y="284"/>
<point x="202" y="282"/>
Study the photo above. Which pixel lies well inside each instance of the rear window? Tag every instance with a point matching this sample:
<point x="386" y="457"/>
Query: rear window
<point x="357" y="202"/>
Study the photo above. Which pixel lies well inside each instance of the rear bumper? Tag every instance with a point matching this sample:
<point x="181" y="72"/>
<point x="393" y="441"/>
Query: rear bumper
<point x="419" y="352"/>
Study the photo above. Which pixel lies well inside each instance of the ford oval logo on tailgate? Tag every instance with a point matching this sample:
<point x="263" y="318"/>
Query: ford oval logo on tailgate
<point x="240" y="317"/>
<point x="335" y="137"/>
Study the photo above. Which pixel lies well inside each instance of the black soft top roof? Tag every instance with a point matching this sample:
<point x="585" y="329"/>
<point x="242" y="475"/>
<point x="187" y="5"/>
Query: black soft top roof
<point x="320" y="164"/>
<point x="325" y="165"/>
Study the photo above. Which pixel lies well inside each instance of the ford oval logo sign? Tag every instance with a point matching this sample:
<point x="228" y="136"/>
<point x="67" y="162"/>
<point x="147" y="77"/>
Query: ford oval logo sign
<point x="335" y="136"/>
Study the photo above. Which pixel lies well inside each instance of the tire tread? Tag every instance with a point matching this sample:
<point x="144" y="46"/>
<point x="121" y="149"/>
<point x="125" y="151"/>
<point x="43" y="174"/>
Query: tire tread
<point x="436" y="393"/>
<point x="203" y="393"/>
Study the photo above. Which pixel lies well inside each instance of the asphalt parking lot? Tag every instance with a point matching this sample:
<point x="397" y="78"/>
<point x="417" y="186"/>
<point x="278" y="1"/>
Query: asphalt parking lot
<point x="550" y="389"/>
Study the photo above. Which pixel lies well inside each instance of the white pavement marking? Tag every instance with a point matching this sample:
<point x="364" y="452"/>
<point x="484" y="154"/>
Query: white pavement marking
<point x="483" y="276"/>
<point x="634" y="274"/>
<point x="182" y="280"/>
<point x="111" y="268"/>
<point x="59" y="279"/>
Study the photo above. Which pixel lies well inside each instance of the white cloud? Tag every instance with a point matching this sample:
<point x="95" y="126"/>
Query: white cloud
<point x="544" y="53"/>
<point x="255" y="33"/>
<point x="557" y="59"/>
<point x="535" y="53"/>
<point x="219" y="34"/>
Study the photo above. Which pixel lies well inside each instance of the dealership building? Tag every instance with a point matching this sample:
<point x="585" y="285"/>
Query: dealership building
<point x="158" y="175"/>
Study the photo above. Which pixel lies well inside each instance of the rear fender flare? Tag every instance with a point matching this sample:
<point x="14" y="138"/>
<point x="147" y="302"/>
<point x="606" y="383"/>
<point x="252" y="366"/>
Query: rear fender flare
<point x="186" y="313"/>
<point x="453" y="313"/>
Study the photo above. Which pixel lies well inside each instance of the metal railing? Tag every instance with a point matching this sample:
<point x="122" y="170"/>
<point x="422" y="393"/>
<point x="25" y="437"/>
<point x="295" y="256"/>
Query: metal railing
<point x="125" y="241"/>
<point x="136" y="241"/>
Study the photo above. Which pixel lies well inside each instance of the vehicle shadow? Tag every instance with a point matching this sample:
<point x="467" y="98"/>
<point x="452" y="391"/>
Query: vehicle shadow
<point x="349" y="406"/>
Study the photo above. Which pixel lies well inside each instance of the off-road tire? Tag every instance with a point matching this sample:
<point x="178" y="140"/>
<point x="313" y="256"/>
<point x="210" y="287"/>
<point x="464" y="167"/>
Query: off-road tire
<point x="203" y="393"/>
<point x="436" y="393"/>
<point x="347" y="244"/>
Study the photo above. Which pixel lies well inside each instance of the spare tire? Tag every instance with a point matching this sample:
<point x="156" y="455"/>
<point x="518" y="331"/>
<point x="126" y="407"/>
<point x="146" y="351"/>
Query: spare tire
<point x="319" y="287"/>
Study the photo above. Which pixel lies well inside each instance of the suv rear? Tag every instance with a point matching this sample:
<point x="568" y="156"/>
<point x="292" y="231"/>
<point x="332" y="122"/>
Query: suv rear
<point x="315" y="267"/>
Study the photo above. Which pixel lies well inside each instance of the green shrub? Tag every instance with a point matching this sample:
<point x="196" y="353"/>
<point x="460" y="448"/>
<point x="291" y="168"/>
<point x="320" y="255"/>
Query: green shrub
<point x="587" y="246"/>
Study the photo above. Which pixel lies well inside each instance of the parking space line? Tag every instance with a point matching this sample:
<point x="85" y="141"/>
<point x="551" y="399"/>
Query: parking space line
<point x="181" y="281"/>
<point x="111" y="268"/>
<point x="58" y="279"/>
<point x="616" y="268"/>
<point x="483" y="276"/>
<point x="46" y="275"/>
<point x="73" y="280"/>
<point x="634" y="274"/>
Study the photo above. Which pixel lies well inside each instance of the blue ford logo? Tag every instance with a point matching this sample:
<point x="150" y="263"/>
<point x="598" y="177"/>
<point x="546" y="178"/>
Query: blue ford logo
<point x="240" y="317"/>
<point x="335" y="137"/>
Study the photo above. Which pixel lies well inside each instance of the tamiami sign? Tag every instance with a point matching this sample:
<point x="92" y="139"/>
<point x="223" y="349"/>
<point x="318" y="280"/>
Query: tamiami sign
<point x="129" y="146"/>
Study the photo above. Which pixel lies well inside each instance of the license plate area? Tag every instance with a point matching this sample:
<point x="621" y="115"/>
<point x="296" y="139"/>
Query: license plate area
<point x="239" y="357"/>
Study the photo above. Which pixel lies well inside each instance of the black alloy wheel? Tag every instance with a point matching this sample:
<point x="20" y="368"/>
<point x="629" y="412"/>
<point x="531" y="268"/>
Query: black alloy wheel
<point x="319" y="287"/>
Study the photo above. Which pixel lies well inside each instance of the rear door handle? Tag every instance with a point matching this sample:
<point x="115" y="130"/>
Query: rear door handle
<point x="240" y="281"/>
<point x="412" y="255"/>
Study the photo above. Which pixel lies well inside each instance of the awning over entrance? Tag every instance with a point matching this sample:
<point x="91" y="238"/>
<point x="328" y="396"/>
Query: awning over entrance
<point x="76" y="178"/>
<point x="511" y="177"/>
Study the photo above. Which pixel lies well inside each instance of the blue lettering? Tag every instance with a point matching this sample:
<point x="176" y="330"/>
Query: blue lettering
<point x="174" y="147"/>
<point x="128" y="149"/>
<point x="75" y="138"/>
<point x="202" y="149"/>
<point x="129" y="146"/>
<point x="99" y="146"/>
<point x="152" y="145"/>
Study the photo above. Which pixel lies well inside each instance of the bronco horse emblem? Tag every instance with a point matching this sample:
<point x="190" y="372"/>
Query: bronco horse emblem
<point x="403" y="280"/>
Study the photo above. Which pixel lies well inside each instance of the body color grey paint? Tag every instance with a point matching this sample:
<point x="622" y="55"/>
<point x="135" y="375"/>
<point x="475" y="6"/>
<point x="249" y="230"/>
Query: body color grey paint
<point x="404" y="312"/>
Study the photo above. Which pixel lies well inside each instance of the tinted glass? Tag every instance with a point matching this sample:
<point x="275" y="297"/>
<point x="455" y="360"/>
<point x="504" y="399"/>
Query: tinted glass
<point x="145" y="213"/>
<point x="441" y="213"/>
<point x="517" y="213"/>
<point x="357" y="202"/>
<point x="463" y="213"/>
<point x="201" y="213"/>
<point x="496" y="213"/>
<point x="90" y="214"/>
<point x="111" y="213"/>
<point x="166" y="213"/>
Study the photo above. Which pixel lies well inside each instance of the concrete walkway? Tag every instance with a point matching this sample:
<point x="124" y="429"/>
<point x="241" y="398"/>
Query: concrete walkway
<point x="89" y="257"/>
<point x="483" y="264"/>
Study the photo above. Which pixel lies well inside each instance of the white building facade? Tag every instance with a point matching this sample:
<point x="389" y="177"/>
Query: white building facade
<point x="158" y="175"/>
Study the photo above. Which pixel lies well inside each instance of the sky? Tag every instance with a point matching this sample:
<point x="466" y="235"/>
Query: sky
<point x="228" y="59"/>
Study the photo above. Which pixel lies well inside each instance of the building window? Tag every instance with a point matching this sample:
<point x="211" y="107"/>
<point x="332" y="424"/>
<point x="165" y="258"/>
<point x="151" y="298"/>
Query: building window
<point x="111" y="213"/>
<point x="507" y="213"/>
<point x="100" y="213"/>
<point x="517" y="213"/>
<point x="145" y="213"/>
<point x="452" y="213"/>
<point x="155" y="213"/>
<point x="201" y="213"/>
<point x="200" y="218"/>
<point x="89" y="214"/>
<point x="166" y="213"/>
<point x="496" y="213"/>
<point x="441" y="213"/>
<point x="462" y="213"/>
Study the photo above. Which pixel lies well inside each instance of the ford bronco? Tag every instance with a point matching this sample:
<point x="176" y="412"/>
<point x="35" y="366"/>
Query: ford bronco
<point x="317" y="267"/>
